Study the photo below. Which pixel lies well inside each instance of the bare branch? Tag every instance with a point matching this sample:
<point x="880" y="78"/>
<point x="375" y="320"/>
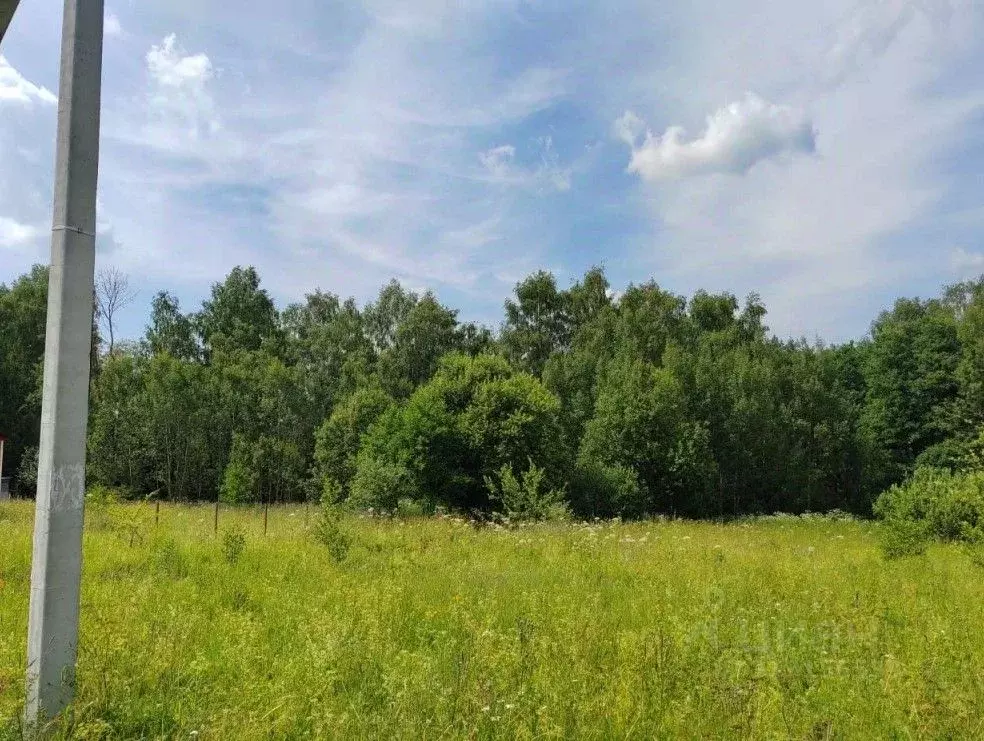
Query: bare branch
<point x="113" y="293"/>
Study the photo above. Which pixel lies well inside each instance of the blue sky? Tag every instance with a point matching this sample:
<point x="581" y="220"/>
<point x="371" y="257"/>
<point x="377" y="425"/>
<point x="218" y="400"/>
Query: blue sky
<point x="825" y="155"/>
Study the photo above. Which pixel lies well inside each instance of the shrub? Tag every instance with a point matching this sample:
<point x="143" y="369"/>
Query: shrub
<point x="239" y="480"/>
<point x="901" y="538"/>
<point x="99" y="504"/>
<point x="328" y="531"/>
<point x="98" y="495"/>
<point x="409" y="508"/>
<point x="27" y="472"/>
<point x="338" y="439"/>
<point x="475" y="416"/>
<point x="170" y="559"/>
<point x="233" y="543"/>
<point x="600" y="490"/>
<point x="950" y="454"/>
<point x="527" y="498"/>
<point x="948" y="506"/>
<point x="381" y="485"/>
<point x="331" y="491"/>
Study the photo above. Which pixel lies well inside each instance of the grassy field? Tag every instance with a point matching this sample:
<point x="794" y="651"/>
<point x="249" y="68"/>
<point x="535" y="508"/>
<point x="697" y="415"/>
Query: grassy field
<point x="778" y="628"/>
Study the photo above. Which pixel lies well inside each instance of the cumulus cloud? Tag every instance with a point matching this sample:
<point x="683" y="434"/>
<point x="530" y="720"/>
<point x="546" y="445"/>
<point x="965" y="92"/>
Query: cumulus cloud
<point x="171" y="67"/>
<point x="180" y="91"/>
<point x="737" y="137"/>
<point x="15" y="88"/>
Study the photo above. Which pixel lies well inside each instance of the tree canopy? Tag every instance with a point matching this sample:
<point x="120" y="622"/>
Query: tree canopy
<point x="632" y="404"/>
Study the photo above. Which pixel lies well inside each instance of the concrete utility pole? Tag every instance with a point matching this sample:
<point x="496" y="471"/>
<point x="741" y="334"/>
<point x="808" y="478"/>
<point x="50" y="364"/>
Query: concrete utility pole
<point x="7" y="8"/>
<point x="56" y="566"/>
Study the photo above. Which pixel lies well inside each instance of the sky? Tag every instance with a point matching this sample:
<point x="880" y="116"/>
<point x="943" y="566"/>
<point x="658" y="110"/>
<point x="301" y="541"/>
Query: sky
<point x="825" y="155"/>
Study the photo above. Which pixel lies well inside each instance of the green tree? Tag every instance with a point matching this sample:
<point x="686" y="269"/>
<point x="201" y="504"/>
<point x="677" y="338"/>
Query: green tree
<point x="118" y="453"/>
<point x="327" y="343"/>
<point x="537" y="323"/>
<point x="427" y="332"/>
<point x="476" y="415"/>
<point x="642" y="423"/>
<point x="911" y="377"/>
<point x="239" y="315"/>
<point x="338" y="440"/>
<point x="169" y="330"/>
<point x="23" y="310"/>
<point x="384" y="316"/>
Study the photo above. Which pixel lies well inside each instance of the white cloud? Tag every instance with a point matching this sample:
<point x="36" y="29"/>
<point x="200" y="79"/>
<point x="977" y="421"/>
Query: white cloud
<point x="179" y="90"/>
<point x="548" y="175"/>
<point x="963" y="259"/>
<point x="171" y="67"/>
<point x="15" y="234"/>
<point x="112" y="26"/>
<point x="551" y="172"/>
<point x="828" y="239"/>
<point x="343" y="145"/>
<point x="475" y="235"/>
<point x="737" y="137"/>
<point x="868" y="32"/>
<point x="498" y="160"/>
<point x="628" y="128"/>
<point x="15" y="88"/>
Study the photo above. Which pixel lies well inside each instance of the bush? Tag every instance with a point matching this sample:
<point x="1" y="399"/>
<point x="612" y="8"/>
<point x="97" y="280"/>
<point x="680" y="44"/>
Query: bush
<point x="409" y="508"/>
<point x="947" y="505"/>
<point x="328" y="532"/>
<point x="901" y="538"/>
<point x="27" y="472"/>
<point x="949" y="454"/>
<point x="527" y="498"/>
<point x="381" y="485"/>
<point x="98" y="495"/>
<point x="338" y="439"/>
<point x="600" y="490"/>
<point x="474" y="417"/>
<point x="233" y="544"/>
<point x="239" y="480"/>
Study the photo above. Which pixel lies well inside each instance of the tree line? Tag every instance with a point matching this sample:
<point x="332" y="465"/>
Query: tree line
<point x="584" y="401"/>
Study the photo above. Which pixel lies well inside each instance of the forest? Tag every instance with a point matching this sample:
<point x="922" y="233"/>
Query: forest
<point x="583" y="401"/>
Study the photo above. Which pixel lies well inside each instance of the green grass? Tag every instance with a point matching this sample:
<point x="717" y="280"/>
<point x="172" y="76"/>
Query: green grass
<point x="780" y="628"/>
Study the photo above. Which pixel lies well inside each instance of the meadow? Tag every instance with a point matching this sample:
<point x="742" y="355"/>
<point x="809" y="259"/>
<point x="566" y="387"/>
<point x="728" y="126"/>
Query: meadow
<point x="778" y="627"/>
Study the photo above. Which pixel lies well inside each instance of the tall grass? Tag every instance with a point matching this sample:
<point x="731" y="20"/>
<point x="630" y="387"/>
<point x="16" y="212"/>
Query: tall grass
<point x="427" y="628"/>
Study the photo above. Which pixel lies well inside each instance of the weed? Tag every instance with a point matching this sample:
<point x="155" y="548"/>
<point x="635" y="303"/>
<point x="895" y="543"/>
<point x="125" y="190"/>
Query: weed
<point x="233" y="543"/>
